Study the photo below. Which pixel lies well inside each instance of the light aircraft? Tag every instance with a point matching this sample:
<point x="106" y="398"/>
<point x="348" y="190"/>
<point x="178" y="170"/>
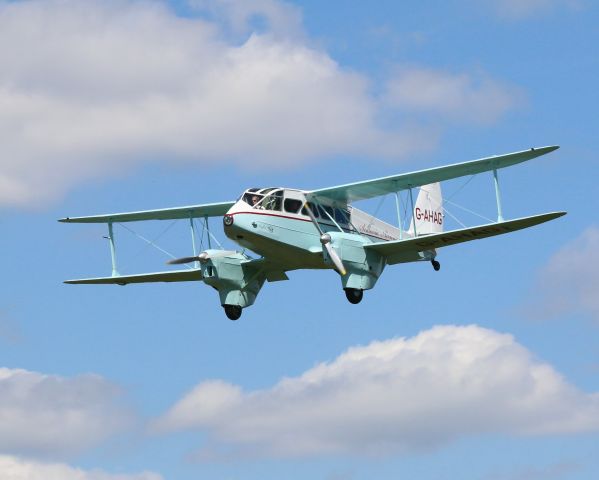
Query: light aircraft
<point x="320" y="229"/>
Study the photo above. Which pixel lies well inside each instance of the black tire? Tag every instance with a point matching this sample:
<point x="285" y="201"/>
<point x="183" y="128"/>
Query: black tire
<point x="233" y="312"/>
<point x="354" y="295"/>
<point x="436" y="265"/>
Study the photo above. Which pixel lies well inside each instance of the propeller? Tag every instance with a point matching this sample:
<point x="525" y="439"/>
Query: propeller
<point x="202" y="257"/>
<point x="325" y="240"/>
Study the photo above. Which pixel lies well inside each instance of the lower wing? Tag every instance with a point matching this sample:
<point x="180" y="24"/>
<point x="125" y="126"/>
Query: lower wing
<point x="399" y="251"/>
<point x="188" y="275"/>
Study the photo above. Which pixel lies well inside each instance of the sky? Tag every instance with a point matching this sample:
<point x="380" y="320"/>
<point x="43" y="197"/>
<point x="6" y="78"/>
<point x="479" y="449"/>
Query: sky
<point x="486" y="370"/>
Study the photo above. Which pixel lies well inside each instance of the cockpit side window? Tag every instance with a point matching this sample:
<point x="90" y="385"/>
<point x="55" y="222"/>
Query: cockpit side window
<point x="253" y="199"/>
<point x="274" y="201"/>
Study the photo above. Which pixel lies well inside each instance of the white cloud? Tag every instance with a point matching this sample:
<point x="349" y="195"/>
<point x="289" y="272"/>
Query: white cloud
<point x="53" y="415"/>
<point x="471" y="97"/>
<point x="570" y="280"/>
<point x="391" y="396"/>
<point x="97" y="87"/>
<point x="282" y="19"/>
<point x="14" y="468"/>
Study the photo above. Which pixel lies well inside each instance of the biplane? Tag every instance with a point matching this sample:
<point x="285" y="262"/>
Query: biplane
<point x="320" y="229"/>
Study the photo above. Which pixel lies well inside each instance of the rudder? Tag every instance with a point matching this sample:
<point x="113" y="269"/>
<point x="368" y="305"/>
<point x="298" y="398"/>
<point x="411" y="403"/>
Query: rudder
<point x="428" y="211"/>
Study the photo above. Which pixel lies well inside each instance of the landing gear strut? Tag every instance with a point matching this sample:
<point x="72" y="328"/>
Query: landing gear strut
<point x="436" y="265"/>
<point x="354" y="295"/>
<point x="233" y="312"/>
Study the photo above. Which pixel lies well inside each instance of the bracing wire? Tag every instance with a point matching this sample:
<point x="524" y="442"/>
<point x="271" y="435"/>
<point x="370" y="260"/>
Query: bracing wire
<point x="453" y="216"/>
<point x="376" y="211"/>
<point x="215" y="239"/>
<point x="469" y="211"/>
<point x="462" y="186"/>
<point x="448" y="200"/>
<point x="150" y="242"/>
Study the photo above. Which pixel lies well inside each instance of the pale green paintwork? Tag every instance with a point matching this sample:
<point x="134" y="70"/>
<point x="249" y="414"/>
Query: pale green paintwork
<point x="498" y="197"/>
<point x="294" y="243"/>
<point x="382" y="186"/>
<point x="191" y="211"/>
<point x="402" y="251"/>
<point x="186" y="275"/>
<point x="115" y="272"/>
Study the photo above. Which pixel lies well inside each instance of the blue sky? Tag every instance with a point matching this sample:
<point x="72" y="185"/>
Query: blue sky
<point x="486" y="370"/>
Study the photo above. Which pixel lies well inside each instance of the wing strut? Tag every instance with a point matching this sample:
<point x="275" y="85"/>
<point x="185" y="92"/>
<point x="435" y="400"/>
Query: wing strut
<point x="193" y="238"/>
<point x="412" y="204"/>
<point x="398" y="207"/>
<point x="207" y="227"/>
<point x="498" y="197"/>
<point x="115" y="272"/>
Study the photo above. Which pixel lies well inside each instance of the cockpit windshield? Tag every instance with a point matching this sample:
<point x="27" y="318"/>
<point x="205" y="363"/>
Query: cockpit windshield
<point x="264" y="198"/>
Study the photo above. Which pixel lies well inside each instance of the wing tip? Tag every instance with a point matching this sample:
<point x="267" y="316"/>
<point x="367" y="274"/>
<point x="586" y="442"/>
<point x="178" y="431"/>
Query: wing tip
<point x="544" y="150"/>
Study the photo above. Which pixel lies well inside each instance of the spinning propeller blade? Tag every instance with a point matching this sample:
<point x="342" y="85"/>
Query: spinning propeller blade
<point x="180" y="261"/>
<point x="202" y="257"/>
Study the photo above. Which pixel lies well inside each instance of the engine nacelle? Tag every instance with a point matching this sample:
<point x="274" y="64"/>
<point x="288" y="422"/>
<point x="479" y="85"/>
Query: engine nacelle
<point x="238" y="283"/>
<point x="364" y="267"/>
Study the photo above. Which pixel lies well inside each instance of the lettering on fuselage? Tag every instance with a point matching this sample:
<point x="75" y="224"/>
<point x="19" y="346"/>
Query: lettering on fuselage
<point x="368" y="230"/>
<point x="264" y="227"/>
<point x="429" y="216"/>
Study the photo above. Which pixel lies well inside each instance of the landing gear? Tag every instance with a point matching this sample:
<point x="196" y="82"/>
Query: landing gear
<point x="233" y="312"/>
<point x="436" y="265"/>
<point x="354" y="295"/>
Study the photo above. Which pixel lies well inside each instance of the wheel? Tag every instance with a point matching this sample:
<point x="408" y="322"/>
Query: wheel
<point x="354" y="295"/>
<point x="436" y="265"/>
<point x="233" y="312"/>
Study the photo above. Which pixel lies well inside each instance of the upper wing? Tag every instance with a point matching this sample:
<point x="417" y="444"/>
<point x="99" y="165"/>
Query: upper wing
<point x="186" y="275"/>
<point x="399" y="251"/>
<point x="192" y="211"/>
<point x="394" y="183"/>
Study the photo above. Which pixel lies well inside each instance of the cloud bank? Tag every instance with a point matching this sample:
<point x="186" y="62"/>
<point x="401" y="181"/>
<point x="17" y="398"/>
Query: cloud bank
<point x="97" y="87"/>
<point x="394" y="396"/>
<point x="474" y="98"/>
<point x="14" y="468"/>
<point x="52" y="415"/>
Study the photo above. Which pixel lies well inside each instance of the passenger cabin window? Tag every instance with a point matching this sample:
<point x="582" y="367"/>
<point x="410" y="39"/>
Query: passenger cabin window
<point x="292" y="205"/>
<point x="341" y="216"/>
<point x="329" y="211"/>
<point x="313" y="209"/>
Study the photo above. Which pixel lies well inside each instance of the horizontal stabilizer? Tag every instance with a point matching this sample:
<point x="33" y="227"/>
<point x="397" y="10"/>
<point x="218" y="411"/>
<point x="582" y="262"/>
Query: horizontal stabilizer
<point x="395" y="250"/>
<point x="187" y="275"/>
<point x="191" y="211"/>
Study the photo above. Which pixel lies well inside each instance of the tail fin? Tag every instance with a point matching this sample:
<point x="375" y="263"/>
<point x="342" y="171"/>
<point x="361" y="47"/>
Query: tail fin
<point x="428" y="211"/>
